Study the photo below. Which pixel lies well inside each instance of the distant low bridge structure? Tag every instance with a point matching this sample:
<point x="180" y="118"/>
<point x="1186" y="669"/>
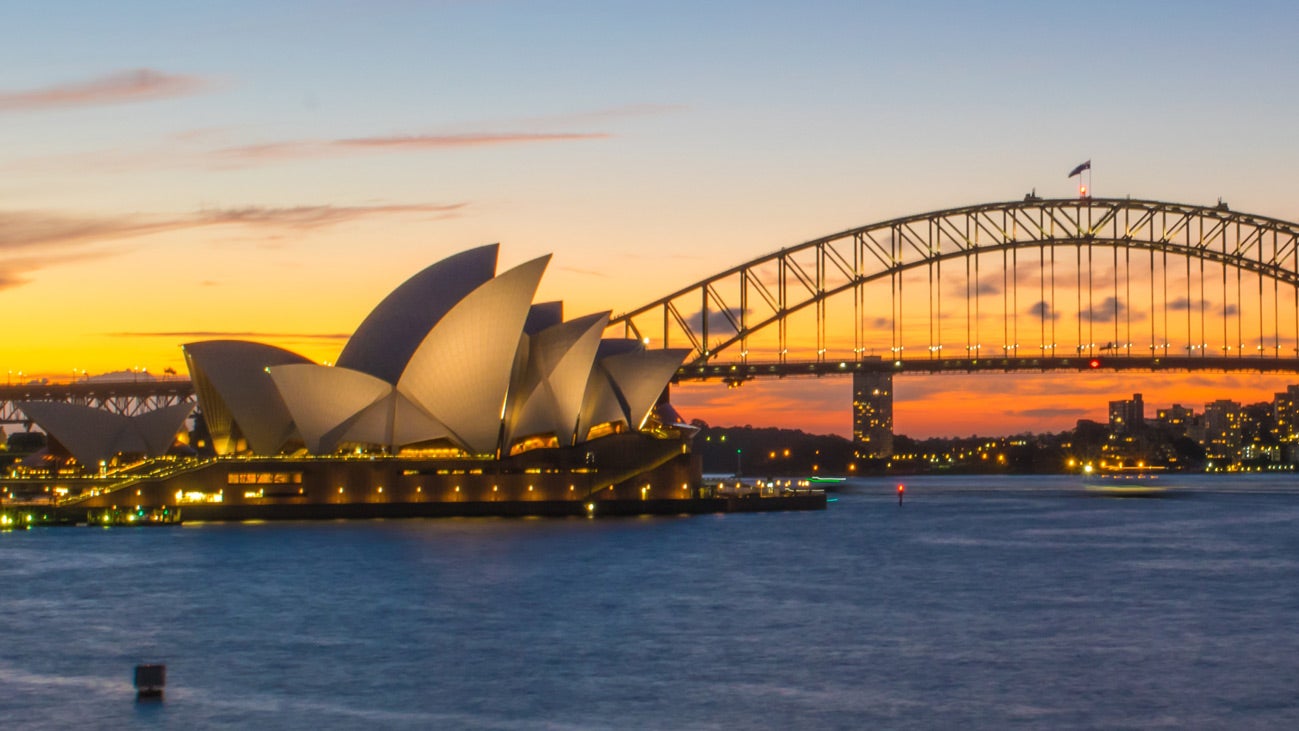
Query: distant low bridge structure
<point x="129" y="398"/>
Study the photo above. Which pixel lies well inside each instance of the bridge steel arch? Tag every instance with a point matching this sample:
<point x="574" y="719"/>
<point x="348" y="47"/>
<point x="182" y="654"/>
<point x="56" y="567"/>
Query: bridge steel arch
<point x="718" y="315"/>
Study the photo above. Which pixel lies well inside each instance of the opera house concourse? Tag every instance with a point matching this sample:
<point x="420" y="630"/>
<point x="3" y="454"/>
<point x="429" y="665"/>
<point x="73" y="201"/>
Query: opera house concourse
<point x="457" y="395"/>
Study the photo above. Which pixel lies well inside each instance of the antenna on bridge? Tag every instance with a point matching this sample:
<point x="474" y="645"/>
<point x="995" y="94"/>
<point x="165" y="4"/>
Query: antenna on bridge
<point x="1083" y="188"/>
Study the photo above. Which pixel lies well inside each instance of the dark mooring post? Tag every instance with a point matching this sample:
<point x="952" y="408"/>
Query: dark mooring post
<point x="149" y="682"/>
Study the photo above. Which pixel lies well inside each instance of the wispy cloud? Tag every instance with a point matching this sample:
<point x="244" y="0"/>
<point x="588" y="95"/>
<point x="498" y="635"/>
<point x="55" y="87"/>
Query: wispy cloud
<point x="212" y="147"/>
<point x="223" y="334"/>
<point x="124" y="87"/>
<point x="22" y="230"/>
<point x="34" y="240"/>
<point x="308" y="217"/>
<point x="292" y="150"/>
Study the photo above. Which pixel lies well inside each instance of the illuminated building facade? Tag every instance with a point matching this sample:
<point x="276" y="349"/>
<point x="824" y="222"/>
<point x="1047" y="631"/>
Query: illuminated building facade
<point x="872" y="415"/>
<point x="1176" y="419"/>
<point x="1127" y="415"/>
<point x="1222" y="429"/>
<point x="1286" y="413"/>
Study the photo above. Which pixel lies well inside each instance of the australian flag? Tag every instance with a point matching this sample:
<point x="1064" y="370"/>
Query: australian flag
<point x="1078" y="170"/>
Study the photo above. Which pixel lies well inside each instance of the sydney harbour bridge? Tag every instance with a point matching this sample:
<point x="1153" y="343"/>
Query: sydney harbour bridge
<point x="1035" y="285"/>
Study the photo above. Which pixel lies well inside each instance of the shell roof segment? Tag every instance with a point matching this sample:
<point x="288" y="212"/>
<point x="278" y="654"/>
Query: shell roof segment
<point x="460" y="373"/>
<point x="385" y="341"/>
<point x="237" y="396"/>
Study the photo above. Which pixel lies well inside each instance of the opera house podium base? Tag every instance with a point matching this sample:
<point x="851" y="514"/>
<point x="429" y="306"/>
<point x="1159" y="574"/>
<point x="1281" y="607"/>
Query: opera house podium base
<point x="625" y="474"/>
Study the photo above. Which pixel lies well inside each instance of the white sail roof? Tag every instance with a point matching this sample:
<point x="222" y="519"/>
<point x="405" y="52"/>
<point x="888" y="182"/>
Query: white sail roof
<point x="460" y="374"/>
<point x="323" y="399"/>
<point x="641" y="377"/>
<point x="93" y="435"/>
<point x="454" y="354"/>
<point x="549" y="397"/>
<point x="386" y="340"/>
<point x="626" y="383"/>
<point x="236" y="394"/>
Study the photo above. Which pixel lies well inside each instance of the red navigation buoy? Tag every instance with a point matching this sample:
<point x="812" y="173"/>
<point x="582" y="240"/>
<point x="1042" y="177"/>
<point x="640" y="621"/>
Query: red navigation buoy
<point x="901" y="491"/>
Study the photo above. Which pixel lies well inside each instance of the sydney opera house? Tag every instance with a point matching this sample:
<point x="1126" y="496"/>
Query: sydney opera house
<point x="457" y="395"/>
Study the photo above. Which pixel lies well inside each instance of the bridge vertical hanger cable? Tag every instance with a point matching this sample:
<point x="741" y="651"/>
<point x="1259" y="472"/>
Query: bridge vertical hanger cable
<point x="1078" y="312"/>
<point x="893" y="297"/>
<point x="1115" y="289"/>
<point x="1240" y="309"/>
<point x="782" y="344"/>
<point x="929" y="296"/>
<point x="1014" y="301"/>
<point x="1154" y="313"/>
<point x="1226" y="302"/>
<point x="744" y="315"/>
<point x="1041" y="297"/>
<point x="1276" y="300"/>
<point x="1127" y="300"/>
<point x="937" y="249"/>
<point x="1167" y="336"/>
<point x="1203" y="317"/>
<point x="1190" y="309"/>
<point x="1005" y="296"/>
<point x="857" y="334"/>
<point x="968" y="341"/>
<point x="1052" y="312"/>
<point x="1091" y="304"/>
<point x="1262" y="308"/>
<point x="978" y="342"/>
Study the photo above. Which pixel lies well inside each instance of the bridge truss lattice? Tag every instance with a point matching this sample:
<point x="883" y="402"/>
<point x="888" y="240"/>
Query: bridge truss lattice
<point x="1040" y="280"/>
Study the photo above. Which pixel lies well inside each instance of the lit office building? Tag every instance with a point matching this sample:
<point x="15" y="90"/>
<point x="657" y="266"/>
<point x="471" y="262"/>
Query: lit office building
<point x="1127" y="415"/>
<point x="872" y="415"/>
<point x="1222" y="429"/>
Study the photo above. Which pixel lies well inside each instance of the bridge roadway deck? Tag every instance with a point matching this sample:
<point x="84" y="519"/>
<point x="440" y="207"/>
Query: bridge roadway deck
<point x="177" y="386"/>
<point x="181" y="388"/>
<point x="737" y="372"/>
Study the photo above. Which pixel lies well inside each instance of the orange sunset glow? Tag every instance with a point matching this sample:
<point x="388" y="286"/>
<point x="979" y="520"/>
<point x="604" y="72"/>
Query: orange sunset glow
<point x="160" y="191"/>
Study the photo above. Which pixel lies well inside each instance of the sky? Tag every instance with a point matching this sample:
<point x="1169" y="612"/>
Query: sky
<point x="185" y="171"/>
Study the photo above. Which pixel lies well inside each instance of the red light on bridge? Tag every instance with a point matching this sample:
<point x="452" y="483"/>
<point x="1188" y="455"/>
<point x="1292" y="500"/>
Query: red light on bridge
<point x="1094" y="363"/>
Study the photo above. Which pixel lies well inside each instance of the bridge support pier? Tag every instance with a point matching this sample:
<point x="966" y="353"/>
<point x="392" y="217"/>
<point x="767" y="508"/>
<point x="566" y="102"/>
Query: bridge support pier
<point x="872" y="415"/>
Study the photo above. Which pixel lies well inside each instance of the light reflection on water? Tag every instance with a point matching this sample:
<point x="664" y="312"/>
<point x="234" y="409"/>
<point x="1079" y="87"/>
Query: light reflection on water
<point x="981" y="603"/>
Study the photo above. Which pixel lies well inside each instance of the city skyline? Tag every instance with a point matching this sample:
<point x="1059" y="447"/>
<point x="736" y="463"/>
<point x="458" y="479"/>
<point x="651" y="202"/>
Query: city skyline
<point x="233" y="171"/>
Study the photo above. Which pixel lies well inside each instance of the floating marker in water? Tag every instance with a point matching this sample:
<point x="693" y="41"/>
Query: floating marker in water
<point x="149" y="682"/>
<point x="901" y="490"/>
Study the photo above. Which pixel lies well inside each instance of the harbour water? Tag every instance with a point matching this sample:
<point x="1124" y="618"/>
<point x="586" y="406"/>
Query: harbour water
<point x="982" y="602"/>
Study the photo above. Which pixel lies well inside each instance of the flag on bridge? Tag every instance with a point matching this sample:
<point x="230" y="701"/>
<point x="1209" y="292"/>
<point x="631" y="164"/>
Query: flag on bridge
<point x="1078" y="170"/>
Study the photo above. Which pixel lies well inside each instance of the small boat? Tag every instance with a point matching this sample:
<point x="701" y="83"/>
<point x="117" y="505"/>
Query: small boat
<point x="136" y="517"/>
<point x="1126" y="482"/>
